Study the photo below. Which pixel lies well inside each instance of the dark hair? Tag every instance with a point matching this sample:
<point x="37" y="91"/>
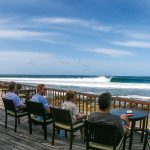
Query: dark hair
<point x="12" y="85"/>
<point x="104" y="100"/>
<point x="70" y="95"/>
<point x="40" y="86"/>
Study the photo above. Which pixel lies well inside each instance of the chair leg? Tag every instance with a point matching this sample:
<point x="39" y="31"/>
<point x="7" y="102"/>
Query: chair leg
<point x="45" y="131"/>
<point x="87" y="146"/>
<point x="71" y="140"/>
<point x="18" y="120"/>
<point x="65" y="133"/>
<point x="42" y="126"/>
<point x="30" y="127"/>
<point x="6" y="120"/>
<point x="145" y="141"/>
<point x="142" y="133"/>
<point x="58" y="131"/>
<point x="124" y="143"/>
<point x="53" y="135"/>
<point x="15" y="124"/>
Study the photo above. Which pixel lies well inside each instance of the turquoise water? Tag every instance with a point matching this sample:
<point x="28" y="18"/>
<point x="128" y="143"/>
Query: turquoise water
<point x="124" y="86"/>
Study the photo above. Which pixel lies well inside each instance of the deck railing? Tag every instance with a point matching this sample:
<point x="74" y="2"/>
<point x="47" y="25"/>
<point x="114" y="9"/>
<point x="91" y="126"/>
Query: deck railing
<point x="87" y="102"/>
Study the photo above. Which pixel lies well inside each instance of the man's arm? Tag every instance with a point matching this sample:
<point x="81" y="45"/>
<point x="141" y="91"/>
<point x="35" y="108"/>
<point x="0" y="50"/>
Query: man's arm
<point x="47" y="110"/>
<point x="22" y="106"/>
<point x="18" y="103"/>
<point x="125" y="119"/>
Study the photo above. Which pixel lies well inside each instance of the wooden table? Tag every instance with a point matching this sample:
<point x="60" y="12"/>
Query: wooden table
<point x="138" y="115"/>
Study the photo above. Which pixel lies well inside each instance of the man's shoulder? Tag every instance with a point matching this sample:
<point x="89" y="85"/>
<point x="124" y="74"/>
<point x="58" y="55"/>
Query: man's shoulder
<point x="97" y="116"/>
<point x="93" y="115"/>
<point x="10" y="95"/>
<point x="38" y="98"/>
<point x="114" y="116"/>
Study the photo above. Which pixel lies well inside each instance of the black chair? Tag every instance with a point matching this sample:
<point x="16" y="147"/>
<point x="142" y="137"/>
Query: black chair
<point x="103" y="136"/>
<point x="63" y="120"/>
<point x="147" y="139"/>
<point x="10" y="109"/>
<point x="35" y="109"/>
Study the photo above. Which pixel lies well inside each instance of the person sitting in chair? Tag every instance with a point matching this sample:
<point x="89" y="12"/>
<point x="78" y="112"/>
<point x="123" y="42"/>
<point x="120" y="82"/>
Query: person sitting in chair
<point x="11" y="95"/>
<point x="39" y="97"/>
<point x="70" y="105"/>
<point x="104" y="115"/>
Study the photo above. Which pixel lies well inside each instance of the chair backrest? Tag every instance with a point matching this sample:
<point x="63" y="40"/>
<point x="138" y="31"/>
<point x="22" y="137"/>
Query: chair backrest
<point x="9" y="105"/>
<point x="62" y="116"/>
<point x="103" y="133"/>
<point x="35" y="108"/>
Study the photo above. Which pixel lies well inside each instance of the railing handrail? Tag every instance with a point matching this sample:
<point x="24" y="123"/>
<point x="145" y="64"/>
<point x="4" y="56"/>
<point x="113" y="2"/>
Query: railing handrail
<point x="120" y="99"/>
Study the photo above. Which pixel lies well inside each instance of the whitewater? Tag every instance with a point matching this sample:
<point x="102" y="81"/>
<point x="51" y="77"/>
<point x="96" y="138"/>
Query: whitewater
<point x="89" y="84"/>
<point x="101" y="82"/>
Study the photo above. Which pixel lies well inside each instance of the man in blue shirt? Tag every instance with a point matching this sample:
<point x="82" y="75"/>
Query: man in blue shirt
<point x="11" y="95"/>
<point x="39" y="97"/>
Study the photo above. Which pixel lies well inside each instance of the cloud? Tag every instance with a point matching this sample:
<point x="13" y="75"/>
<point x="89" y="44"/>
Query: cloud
<point x="101" y="28"/>
<point x="71" y="21"/>
<point x="143" y="36"/>
<point x="112" y="52"/>
<point x="137" y="44"/>
<point x="46" y="29"/>
<point x="40" y="62"/>
<point x="17" y="34"/>
<point x="25" y="57"/>
<point x="14" y="22"/>
<point x="137" y="36"/>
<point x="135" y="33"/>
<point x="5" y="20"/>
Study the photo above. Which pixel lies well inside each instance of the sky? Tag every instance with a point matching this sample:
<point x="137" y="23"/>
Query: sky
<point x="75" y="37"/>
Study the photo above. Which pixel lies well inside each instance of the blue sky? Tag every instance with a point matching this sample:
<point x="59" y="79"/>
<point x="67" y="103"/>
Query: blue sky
<point x="86" y="37"/>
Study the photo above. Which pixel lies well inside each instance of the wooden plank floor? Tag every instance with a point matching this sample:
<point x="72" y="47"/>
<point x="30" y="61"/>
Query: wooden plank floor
<point x="22" y="140"/>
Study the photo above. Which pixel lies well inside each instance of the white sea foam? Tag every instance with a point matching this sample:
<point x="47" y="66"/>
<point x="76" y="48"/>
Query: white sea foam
<point x="95" y="85"/>
<point x="97" y="82"/>
<point x="137" y="97"/>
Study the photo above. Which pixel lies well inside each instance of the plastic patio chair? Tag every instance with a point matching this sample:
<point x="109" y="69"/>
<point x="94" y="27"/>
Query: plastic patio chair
<point x="10" y="109"/>
<point x="36" y="108"/>
<point x="63" y="120"/>
<point x="103" y="136"/>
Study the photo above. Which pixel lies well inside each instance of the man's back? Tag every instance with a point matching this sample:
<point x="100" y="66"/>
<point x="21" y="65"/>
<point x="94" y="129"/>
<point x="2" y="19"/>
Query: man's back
<point x="107" y="118"/>
<point x="14" y="97"/>
<point x="39" y="98"/>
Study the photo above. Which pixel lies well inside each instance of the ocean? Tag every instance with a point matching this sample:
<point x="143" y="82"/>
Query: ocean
<point x="124" y="86"/>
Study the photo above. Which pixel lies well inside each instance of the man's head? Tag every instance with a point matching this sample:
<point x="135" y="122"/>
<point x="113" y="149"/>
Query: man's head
<point x="12" y="86"/>
<point x="104" y="101"/>
<point x="41" y="89"/>
<point x="71" y="96"/>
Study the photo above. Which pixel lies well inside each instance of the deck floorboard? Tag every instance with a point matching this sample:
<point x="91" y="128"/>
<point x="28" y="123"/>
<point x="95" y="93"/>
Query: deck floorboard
<point x="22" y="140"/>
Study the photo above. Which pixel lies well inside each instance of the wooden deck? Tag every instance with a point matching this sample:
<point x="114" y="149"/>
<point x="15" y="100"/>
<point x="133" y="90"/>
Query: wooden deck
<point x="22" y="140"/>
